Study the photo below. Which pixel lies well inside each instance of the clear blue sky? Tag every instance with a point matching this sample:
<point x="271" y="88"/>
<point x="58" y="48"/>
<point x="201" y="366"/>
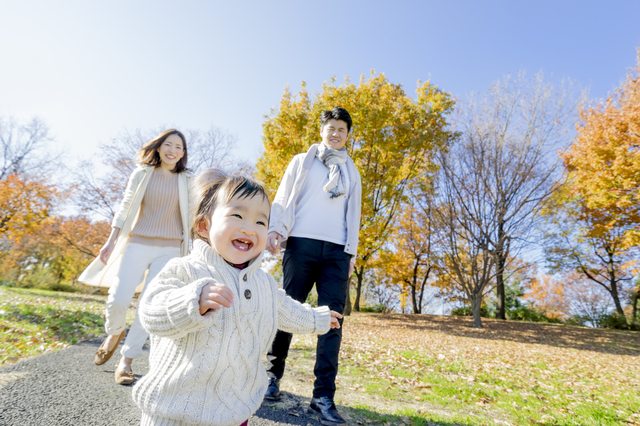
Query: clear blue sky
<point x="92" y="69"/>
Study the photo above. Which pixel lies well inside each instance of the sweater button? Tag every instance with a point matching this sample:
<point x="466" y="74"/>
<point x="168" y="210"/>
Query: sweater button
<point x="244" y="278"/>
<point x="247" y="294"/>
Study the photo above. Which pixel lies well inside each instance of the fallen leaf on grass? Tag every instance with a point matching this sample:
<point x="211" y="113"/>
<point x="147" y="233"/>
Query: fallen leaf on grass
<point x="424" y="386"/>
<point x="482" y="402"/>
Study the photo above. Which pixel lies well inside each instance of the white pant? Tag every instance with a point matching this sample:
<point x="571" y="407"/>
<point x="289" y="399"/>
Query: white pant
<point x="136" y="259"/>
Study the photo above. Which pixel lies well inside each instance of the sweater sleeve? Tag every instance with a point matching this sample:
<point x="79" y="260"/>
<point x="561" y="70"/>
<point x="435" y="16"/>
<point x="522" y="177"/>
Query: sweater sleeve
<point x="170" y="306"/>
<point x="278" y="222"/>
<point x="298" y="318"/>
<point x="129" y="194"/>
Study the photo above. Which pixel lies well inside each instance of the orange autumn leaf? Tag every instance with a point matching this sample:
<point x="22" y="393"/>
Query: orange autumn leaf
<point x="24" y="206"/>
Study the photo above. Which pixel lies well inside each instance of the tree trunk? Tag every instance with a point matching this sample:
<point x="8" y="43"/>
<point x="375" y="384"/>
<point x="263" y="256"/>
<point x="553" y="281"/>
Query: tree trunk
<point x="360" y="276"/>
<point x="614" y="286"/>
<point x="634" y="304"/>
<point x="476" y="303"/>
<point x="616" y="298"/>
<point x="422" y="286"/>
<point x="414" y="299"/>
<point x="501" y="260"/>
<point x="347" y="304"/>
<point x="500" y="296"/>
<point x="413" y="284"/>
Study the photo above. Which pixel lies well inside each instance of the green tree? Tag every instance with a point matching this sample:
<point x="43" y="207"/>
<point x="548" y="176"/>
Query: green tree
<point x="392" y="143"/>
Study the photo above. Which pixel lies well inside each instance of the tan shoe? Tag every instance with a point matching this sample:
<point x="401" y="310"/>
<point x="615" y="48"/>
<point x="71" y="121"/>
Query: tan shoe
<point x="104" y="355"/>
<point x="124" y="377"/>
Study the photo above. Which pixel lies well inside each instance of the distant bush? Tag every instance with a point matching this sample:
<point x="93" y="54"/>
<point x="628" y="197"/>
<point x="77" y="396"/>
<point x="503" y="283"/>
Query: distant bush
<point x="579" y="320"/>
<point x="613" y="320"/>
<point x="380" y="308"/>
<point x="44" y="280"/>
<point x="466" y="311"/>
<point x="61" y="287"/>
<point x="531" y="314"/>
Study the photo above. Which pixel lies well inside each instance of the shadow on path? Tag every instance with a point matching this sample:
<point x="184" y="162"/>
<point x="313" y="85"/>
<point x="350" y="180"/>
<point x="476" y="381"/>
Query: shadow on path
<point x="292" y="410"/>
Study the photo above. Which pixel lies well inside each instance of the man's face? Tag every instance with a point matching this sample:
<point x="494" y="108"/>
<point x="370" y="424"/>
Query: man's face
<point x="334" y="134"/>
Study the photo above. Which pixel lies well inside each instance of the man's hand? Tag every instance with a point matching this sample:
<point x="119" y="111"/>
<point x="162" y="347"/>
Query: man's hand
<point x="215" y="296"/>
<point x="334" y="319"/>
<point x="273" y="240"/>
<point x="352" y="267"/>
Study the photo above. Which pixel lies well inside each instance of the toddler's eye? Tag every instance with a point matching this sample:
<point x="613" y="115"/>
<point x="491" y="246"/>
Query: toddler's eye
<point x="237" y="215"/>
<point x="261" y="223"/>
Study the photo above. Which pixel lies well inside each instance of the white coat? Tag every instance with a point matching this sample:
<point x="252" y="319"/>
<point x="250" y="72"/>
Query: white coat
<point x="100" y="275"/>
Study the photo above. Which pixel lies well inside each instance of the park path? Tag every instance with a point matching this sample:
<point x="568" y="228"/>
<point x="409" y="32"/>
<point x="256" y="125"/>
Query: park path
<point x="66" y="388"/>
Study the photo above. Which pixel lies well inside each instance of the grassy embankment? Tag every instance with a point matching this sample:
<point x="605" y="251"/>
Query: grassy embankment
<point x="33" y="322"/>
<point x="427" y="369"/>
<point x="410" y="369"/>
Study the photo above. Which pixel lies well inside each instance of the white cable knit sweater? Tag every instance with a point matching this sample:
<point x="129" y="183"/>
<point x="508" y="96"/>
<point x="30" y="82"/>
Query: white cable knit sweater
<point x="207" y="370"/>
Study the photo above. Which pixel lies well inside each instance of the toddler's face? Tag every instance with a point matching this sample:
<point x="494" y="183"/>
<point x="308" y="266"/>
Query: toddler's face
<point x="238" y="230"/>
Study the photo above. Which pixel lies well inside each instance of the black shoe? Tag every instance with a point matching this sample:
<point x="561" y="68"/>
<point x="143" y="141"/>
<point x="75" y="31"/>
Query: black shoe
<point x="273" y="390"/>
<point x="325" y="409"/>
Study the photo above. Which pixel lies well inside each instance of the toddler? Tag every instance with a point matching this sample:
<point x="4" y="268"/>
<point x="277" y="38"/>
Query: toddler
<point x="214" y="313"/>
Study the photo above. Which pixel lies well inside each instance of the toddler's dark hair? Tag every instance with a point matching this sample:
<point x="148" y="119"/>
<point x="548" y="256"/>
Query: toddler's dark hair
<point x="214" y="186"/>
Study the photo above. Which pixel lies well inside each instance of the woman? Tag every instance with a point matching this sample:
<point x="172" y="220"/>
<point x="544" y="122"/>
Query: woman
<point x="150" y="228"/>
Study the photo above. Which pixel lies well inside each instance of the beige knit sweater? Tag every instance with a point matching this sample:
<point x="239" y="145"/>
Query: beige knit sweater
<point x="159" y="222"/>
<point x="207" y="370"/>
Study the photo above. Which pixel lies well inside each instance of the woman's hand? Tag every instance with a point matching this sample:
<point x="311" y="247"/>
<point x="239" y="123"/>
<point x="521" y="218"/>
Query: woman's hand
<point x="273" y="240"/>
<point x="334" y="319"/>
<point x="214" y="296"/>
<point x="106" y="250"/>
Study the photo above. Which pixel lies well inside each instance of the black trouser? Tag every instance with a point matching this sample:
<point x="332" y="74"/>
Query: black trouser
<point x="307" y="261"/>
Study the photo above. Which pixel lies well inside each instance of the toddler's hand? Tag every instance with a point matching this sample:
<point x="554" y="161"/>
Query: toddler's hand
<point x="334" y="319"/>
<point x="214" y="296"/>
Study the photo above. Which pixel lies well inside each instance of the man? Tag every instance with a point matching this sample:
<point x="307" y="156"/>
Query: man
<point x="316" y="217"/>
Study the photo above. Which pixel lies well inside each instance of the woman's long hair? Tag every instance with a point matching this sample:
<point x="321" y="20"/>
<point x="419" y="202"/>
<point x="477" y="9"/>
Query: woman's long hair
<point x="149" y="155"/>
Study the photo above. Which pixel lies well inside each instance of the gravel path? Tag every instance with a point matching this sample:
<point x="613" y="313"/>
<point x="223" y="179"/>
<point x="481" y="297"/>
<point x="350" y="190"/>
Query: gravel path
<point x="66" y="388"/>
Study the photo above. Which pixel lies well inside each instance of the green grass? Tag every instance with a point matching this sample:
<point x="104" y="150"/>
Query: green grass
<point x="33" y="322"/>
<point x="449" y="374"/>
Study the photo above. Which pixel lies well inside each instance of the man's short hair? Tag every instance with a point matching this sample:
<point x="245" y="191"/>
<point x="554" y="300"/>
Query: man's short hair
<point x="337" y="113"/>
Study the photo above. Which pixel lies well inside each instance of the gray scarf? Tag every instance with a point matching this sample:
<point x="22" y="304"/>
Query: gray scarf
<point x="336" y="162"/>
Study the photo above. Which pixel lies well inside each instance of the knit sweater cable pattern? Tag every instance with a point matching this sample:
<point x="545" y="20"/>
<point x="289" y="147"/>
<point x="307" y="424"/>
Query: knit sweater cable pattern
<point x="207" y="369"/>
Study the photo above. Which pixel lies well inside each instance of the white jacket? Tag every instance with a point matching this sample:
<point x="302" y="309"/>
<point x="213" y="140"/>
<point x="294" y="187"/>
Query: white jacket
<point x="207" y="369"/>
<point x="283" y="209"/>
<point x="100" y="275"/>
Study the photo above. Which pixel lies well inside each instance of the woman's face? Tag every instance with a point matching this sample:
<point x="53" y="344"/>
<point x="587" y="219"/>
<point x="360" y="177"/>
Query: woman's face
<point x="171" y="150"/>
